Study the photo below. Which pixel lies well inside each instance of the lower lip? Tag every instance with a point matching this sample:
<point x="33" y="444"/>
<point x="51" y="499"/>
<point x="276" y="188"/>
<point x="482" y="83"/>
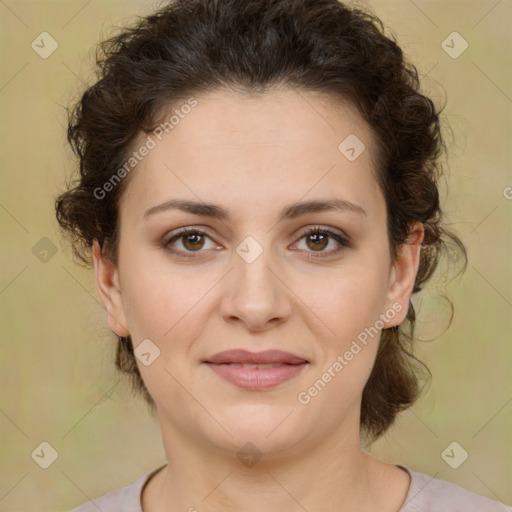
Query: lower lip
<point x="255" y="379"/>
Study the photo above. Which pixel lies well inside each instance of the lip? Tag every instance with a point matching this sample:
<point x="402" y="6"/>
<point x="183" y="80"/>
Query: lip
<point x="241" y="356"/>
<point x="227" y="366"/>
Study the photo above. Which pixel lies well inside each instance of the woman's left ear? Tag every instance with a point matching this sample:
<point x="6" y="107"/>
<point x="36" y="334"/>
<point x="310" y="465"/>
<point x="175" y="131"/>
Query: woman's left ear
<point x="403" y="274"/>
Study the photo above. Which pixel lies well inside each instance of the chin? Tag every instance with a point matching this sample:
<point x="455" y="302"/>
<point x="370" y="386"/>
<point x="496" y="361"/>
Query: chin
<point x="269" y="428"/>
<point x="256" y="444"/>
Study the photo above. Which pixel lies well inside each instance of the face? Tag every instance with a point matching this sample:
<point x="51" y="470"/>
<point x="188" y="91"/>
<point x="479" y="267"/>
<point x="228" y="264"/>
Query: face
<point x="291" y="255"/>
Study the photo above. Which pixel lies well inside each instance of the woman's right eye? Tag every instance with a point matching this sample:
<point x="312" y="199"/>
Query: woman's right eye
<point x="191" y="240"/>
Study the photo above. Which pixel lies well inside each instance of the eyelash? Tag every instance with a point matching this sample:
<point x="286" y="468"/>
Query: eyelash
<point x="317" y="230"/>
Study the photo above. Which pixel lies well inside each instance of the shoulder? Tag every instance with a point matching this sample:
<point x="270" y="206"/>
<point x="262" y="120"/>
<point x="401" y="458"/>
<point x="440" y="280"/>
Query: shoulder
<point x="126" y="498"/>
<point x="428" y="494"/>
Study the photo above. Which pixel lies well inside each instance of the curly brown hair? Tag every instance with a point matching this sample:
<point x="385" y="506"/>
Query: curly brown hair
<point x="192" y="46"/>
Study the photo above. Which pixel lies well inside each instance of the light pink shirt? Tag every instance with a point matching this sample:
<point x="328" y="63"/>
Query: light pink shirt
<point x="426" y="494"/>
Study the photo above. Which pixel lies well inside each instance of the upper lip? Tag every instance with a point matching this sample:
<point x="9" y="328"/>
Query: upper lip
<point x="240" y="356"/>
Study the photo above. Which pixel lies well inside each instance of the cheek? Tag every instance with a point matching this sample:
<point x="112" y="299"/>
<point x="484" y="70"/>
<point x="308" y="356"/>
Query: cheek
<point x="165" y="303"/>
<point x="169" y="310"/>
<point x="350" y="309"/>
<point x="158" y="304"/>
<point x="346" y="300"/>
<point x="349" y="302"/>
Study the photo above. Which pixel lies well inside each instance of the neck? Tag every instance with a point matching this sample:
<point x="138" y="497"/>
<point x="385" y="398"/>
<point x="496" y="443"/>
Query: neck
<point x="334" y="474"/>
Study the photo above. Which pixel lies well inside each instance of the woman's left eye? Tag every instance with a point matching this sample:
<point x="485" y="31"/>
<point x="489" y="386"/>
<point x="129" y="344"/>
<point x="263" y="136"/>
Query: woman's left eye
<point x="317" y="239"/>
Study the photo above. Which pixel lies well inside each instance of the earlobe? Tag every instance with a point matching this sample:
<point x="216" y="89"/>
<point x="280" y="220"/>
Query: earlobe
<point x="109" y="289"/>
<point x="403" y="274"/>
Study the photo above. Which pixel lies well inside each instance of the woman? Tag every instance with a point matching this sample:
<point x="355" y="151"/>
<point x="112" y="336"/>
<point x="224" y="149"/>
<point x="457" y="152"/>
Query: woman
<point x="258" y="186"/>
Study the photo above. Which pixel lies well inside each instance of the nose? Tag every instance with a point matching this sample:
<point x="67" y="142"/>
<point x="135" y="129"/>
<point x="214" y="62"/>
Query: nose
<point x="256" y="294"/>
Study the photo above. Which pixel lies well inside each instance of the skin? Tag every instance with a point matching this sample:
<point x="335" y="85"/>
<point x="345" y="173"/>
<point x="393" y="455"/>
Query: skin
<point x="254" y="155"/>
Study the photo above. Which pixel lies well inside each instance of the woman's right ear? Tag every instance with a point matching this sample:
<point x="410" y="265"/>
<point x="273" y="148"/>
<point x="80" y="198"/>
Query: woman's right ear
<point x="109" y="288"/>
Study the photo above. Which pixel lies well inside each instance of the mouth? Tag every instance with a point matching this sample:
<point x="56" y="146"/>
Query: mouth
<point x="256" y="371"/>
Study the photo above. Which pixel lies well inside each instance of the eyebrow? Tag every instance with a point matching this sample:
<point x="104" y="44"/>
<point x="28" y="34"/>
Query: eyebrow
<point x="288" y="212"/>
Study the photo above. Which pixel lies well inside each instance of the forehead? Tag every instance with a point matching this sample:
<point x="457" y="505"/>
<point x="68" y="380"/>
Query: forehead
<point x="279" y="117"/>
<point x="279" y="145"/>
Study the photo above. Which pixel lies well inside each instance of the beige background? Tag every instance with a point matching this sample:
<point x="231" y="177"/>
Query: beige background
<point x="58" y="382"/>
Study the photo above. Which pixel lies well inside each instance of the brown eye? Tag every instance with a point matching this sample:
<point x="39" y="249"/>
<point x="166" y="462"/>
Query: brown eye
<point x="193" y="241"/>
<point x="188" y="241"/>
<point x="318" y="239"/>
